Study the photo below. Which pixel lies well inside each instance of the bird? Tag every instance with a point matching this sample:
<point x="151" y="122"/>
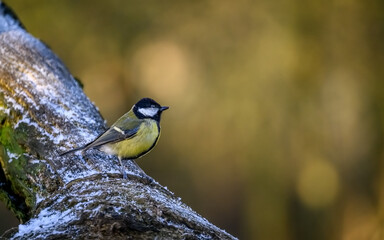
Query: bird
<point x="132" y="136"/>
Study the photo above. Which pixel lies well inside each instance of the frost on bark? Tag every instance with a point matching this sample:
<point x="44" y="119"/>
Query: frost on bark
<point x="43" y="111"/>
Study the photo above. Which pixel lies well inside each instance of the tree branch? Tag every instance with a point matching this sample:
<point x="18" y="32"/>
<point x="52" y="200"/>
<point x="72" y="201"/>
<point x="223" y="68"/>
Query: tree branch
<point x="43" y="111"/>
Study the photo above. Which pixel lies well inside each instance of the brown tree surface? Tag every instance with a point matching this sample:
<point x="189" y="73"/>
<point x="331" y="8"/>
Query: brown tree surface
<point x="43" y="111"/>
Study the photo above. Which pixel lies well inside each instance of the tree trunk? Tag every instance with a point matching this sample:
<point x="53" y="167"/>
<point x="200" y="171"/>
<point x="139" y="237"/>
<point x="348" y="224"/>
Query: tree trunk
<point x="43" y="111"/>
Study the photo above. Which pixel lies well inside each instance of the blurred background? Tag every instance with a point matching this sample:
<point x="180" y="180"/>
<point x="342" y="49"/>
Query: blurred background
<point x="276" y="120"/>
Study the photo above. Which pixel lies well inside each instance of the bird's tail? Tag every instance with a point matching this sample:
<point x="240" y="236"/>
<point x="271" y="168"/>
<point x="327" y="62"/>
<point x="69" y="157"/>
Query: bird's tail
<point x="72" y="150"/>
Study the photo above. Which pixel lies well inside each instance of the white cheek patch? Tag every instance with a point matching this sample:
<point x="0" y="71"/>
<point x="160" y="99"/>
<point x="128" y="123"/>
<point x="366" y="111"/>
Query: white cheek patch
<point x="149" y="112"/>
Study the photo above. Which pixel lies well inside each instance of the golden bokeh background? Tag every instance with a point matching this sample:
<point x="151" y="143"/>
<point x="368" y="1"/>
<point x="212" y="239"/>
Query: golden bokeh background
<point x="275" y="127"/>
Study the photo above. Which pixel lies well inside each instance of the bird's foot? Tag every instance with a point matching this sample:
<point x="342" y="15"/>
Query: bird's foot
<point x="123" y="172"/>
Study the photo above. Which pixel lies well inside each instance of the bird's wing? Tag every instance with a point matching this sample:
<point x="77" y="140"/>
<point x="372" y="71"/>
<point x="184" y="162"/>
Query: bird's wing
<point x="116" y="134"/>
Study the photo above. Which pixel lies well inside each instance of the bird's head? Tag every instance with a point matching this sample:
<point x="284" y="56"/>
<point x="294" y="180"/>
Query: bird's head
<point x="148" y="108"/>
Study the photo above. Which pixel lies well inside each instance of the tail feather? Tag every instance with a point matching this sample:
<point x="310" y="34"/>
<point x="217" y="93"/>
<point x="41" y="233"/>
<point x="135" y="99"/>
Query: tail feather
<point x="72" y="150"/>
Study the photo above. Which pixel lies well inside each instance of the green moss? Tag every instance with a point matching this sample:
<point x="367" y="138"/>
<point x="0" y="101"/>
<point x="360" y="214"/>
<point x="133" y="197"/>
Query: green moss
<point x="2" y="103"/>
<point x="8" y="140"/>
<point x="15" y="191"/>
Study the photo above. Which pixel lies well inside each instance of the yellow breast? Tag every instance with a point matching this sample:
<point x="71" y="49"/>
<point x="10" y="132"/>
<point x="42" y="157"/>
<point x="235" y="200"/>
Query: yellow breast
<point x="143" y="141"/>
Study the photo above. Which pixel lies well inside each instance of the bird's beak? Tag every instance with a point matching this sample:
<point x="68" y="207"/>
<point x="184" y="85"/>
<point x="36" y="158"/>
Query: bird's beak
<point x="163" y="108"/>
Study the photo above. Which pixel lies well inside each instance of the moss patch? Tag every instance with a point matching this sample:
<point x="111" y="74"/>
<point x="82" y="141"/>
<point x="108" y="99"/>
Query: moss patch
<point x="13" y="175"/>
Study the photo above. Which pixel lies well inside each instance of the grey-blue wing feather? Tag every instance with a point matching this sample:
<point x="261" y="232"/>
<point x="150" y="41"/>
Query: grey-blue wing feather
<point x="112" y="135"/>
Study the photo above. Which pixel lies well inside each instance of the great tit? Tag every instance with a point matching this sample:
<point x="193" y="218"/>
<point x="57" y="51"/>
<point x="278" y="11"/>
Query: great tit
<point x="132" y="135"/>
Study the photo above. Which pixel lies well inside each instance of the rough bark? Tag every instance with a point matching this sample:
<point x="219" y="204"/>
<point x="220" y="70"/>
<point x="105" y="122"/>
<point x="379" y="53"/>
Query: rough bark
<point x="43" y="111"/>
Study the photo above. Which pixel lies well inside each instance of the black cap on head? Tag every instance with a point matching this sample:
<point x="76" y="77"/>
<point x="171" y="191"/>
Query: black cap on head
<point x="147" y="103"/>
